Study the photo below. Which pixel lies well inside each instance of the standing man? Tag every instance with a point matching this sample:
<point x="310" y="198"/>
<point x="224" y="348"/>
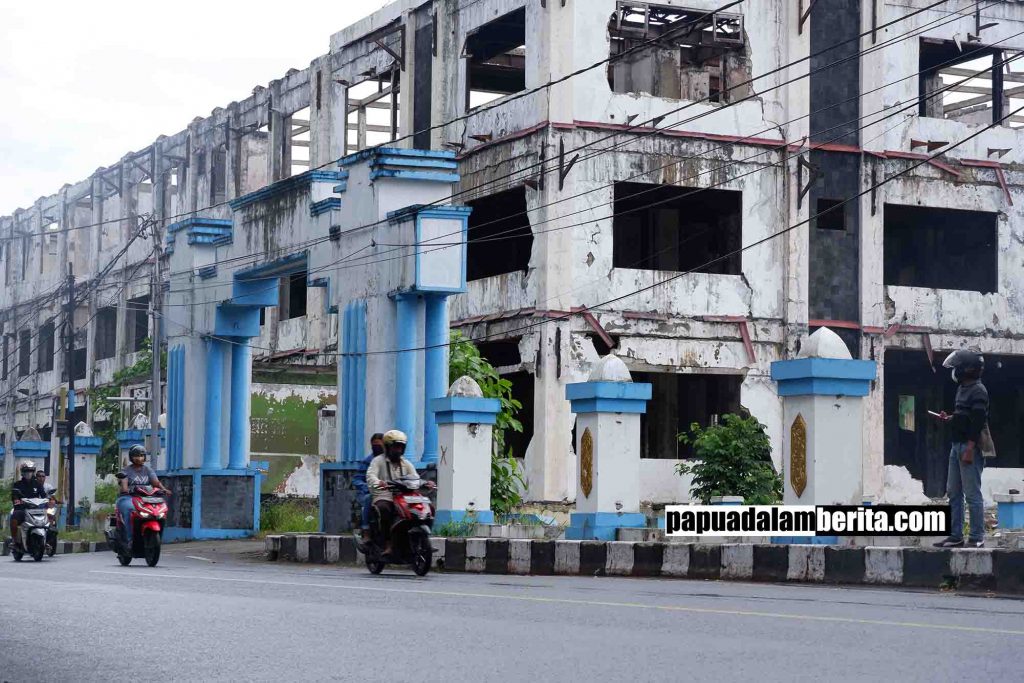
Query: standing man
<point x="359" y="482"/>
<point x="966" y="462"/>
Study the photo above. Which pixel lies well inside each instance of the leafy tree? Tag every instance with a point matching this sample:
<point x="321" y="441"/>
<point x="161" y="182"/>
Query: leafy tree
<point x="506" y="474"/>
<point x="733" y="458"/>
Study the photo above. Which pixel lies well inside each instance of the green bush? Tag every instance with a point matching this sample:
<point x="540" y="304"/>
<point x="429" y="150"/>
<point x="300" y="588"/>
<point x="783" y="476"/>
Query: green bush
<point x="506" y="472"/>
<point x="5" y="495"/>
<point x="106" y="493"/>
<point x="289" y="516"/>
<point x="733" y="458"/>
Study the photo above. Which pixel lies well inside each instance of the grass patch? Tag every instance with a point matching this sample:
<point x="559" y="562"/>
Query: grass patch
<point x="289" y="516"/>
<point x="461" y="529"/>
<point x="80" y="535"/>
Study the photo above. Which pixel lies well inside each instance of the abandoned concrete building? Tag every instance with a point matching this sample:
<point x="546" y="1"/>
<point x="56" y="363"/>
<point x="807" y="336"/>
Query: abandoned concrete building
<point x="633" y="170"/>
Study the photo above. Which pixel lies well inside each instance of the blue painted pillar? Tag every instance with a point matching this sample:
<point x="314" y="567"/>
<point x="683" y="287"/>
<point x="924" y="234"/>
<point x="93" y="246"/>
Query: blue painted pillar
<point x="435" y="381"/>
<point x="215" y="351"/>
<point x="405" y="368"/>
<point x="241" y="375"/>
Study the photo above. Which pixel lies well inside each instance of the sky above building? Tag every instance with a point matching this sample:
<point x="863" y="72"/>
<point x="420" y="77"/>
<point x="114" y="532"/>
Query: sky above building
<point x="82" y="84"/>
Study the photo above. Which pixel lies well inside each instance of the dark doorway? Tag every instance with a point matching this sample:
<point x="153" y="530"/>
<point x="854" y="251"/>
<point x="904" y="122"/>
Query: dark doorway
<point x="677" y="401"/>
<point x="499" y="235"/>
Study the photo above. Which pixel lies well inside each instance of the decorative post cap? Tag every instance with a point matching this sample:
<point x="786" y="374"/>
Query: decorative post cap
<point x="824" y="343"/>
<point x="465" y="386"/>
<point x="824" y="367"/>
<point x="465" y="404"/>
<point x="610" y="369"/>
<point x="609" y="389"/>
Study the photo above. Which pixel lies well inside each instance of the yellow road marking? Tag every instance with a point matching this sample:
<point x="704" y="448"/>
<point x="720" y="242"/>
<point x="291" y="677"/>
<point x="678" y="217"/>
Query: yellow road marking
<point x="600" y="603"/>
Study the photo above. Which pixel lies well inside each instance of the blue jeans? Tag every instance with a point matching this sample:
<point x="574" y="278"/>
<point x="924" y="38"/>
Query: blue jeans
<point x="124" y="511"/>
<point x="367" y="501"/>
<point x="964" y="481"/>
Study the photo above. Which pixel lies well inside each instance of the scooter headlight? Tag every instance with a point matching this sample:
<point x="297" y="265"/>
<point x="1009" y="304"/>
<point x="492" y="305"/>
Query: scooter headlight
<point x="144" y="514"/>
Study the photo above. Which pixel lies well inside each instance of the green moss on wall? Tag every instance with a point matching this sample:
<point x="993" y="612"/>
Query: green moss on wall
<point x="288" y="425"/>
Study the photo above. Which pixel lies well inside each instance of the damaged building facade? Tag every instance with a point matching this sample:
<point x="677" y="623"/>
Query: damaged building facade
<point x="633" y="170"/>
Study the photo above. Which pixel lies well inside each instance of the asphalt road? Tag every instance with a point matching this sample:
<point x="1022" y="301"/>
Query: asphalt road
<point x="210" y="612"/>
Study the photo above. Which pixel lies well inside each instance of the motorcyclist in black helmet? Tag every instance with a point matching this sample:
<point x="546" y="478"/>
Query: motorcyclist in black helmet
<point x="24" y="488"/>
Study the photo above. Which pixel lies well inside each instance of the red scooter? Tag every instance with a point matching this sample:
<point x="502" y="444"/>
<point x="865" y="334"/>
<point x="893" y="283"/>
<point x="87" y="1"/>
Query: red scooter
<point x="410" y="531"/>
<point x="149" y="512"/>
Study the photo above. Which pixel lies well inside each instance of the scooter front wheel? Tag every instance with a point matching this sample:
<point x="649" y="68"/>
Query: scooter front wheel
<point x="152" y="548"/>
<point x="422" y="557"/>
<point x="37" y="548"/>
<point x="17" y="555"/>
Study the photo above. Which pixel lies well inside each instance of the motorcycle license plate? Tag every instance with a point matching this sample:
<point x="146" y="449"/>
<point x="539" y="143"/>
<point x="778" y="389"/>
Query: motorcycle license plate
<point x="417" y="499"/>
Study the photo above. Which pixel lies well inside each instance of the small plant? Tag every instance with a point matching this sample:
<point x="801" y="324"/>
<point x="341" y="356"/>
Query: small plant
<point x="5" y="496"/>
<point x="733" y="458"/>
<point x="506" y="484"/>
<point x="106" y="493"/>
<point x="289" y="517"/>
<point x="460" y="529"/>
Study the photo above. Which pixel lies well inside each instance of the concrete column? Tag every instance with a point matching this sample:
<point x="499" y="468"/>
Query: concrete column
<point x="241" y="380"/>
<point x="608" y="408"/>
<point x="405" y="369"/>
<point x="215" y="352"/>
<point x="465" y="421"/>
<point x="435" y="366"/>
<point x="822" y="438"/>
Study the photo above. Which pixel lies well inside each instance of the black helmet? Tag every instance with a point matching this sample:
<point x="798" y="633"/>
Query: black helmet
<point x="136" y="450"/>
<point x="963" y="359"/>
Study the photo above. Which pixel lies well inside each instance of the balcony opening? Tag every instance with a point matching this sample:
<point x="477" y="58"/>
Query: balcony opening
<point x="496" y="59"/>
<point x="106" y="332"/>
<point x="293" y="296"/>
<point x="373" y="111"/>
<point x="48" y="257"/>
<point x="670" y="228"/>
<point x="678" y="53"/>
<point x="679" y="400"/>
<point x="516" y="443"/>
<point x="830" y="214"/>
<point x="47" y="334"/>
<point x="985" y="98"/>
<point x="24" y="353"/>
<point x="8" y="350"/>
<point x="500" y="238"/>
<point x="297" y="144"/>
<point x="940" y="248"/>
<point x="501" y="353"/>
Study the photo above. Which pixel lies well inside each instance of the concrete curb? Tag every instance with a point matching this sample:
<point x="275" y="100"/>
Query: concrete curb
<point x="989" y="569"/>
<point x="66" y="547"/>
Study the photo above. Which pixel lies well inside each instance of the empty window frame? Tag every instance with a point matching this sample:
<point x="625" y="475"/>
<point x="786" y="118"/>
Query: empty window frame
<point x="293" y="296"/>
<point x="24" y="353"/>
<point x="997" y="89"/>
<point x="940" y="248"/>
<point x="373" y="111"/>
<point x="106" y="332"/>
<point x="670" y="228"/>
<point x="496" y="59"/>
<point x="48" y="257"/>
<point x="678" y="53"/>
<point x="500" y="238"/>
<point x="138" y="323"/>
<point x="47" y="333"/>
<point x="297" y="127"/>
<point x="8" y="349"/>
<point x="218" y="175"/>
<point x="679" y="400"/>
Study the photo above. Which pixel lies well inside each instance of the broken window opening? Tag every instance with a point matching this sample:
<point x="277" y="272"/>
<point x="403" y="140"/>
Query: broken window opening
<point x="679" y="400"/>
<point x="24" y="353"/>
<point x="254" y="146"/>
<point x="219" y="175"/>
<point x="671" y="228"/>
<point x="496" y="59"/>
<point x="500" y="238"/>
<point x="830" y="214"/>
<point x="981" y="99"/>
<point x="501" y="353"/>
<point x="516" y="443"/>
<point x="106" y="332"/>
<point x="940" y="248"/>
<point x="47" y="334"/>
<point x="373" y="111"/>
<point x="297" y="142"/>
<point x="293" y="296"/>
<point x="48" y="257"/>
<point x="7" y="355"/>
<point x="600" y="346"/>
<point x="138" y="323"/>
<point x="678" y="53"/>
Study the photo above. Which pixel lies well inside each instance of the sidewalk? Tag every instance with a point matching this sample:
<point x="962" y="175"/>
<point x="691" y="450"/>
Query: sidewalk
<point x="986" y="569"/>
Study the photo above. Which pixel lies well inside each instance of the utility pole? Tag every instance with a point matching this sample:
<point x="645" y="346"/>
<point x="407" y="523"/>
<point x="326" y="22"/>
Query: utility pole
<point x="69" y="359"/>
<point x="154" y="311"/>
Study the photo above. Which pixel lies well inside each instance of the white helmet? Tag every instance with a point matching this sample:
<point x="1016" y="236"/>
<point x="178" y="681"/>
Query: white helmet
<point x="395" y="436"/>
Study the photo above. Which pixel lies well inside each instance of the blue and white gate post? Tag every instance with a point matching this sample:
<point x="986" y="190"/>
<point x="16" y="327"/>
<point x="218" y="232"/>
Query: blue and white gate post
<point x="608" y="409"/>
<point x="465" y="421"/>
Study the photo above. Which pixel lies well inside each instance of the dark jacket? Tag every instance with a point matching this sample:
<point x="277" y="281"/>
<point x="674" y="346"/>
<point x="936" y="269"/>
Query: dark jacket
<point x="359" y="478"/>
<point x="27" y="489"/>
<point x="970" y="412"/>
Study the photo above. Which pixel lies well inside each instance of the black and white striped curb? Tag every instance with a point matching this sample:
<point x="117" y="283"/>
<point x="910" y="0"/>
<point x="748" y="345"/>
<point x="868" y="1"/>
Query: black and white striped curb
<point x="976" y="569"/>
<point x="66" y="547"/>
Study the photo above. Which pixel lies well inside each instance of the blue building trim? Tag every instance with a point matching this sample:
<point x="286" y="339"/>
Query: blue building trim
<point x="408" y="305"/>
<point x="435" y="379"/>
<point x="296" y="182"/>
<point x="175" y="406"/>
<point x="236" y="321"/>
<point x="286" y="265"/>
<point x="429" y="176"/>
<point x="325" y="206"/>
<point x="602" y="526"/>
<point x="238" y="434"/>
<point x="824" y="376"/>
<point x="215" y="352"/>
<point x="464" y="410"/>
<point x="377" y="152"/>
<point x="608" y="397"/>
<point x="353" y="385"/>
<point x="28" y="449"/>
<point x="84" y="445"/>
<point x="260" y="292"/>
<point x="206" y="272"/>
<point x="196" y="531"/>
<point x="126" y="438"/>
<point x="422" y="247"/>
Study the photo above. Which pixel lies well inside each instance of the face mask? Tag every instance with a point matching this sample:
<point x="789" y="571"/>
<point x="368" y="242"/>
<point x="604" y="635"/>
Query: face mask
<point x="377" y="449"/>
<point x="394" y="455"/>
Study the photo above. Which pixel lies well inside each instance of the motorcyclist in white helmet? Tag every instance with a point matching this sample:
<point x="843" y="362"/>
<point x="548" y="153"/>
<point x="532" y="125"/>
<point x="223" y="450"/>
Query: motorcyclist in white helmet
<point x="389" y="466"/>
